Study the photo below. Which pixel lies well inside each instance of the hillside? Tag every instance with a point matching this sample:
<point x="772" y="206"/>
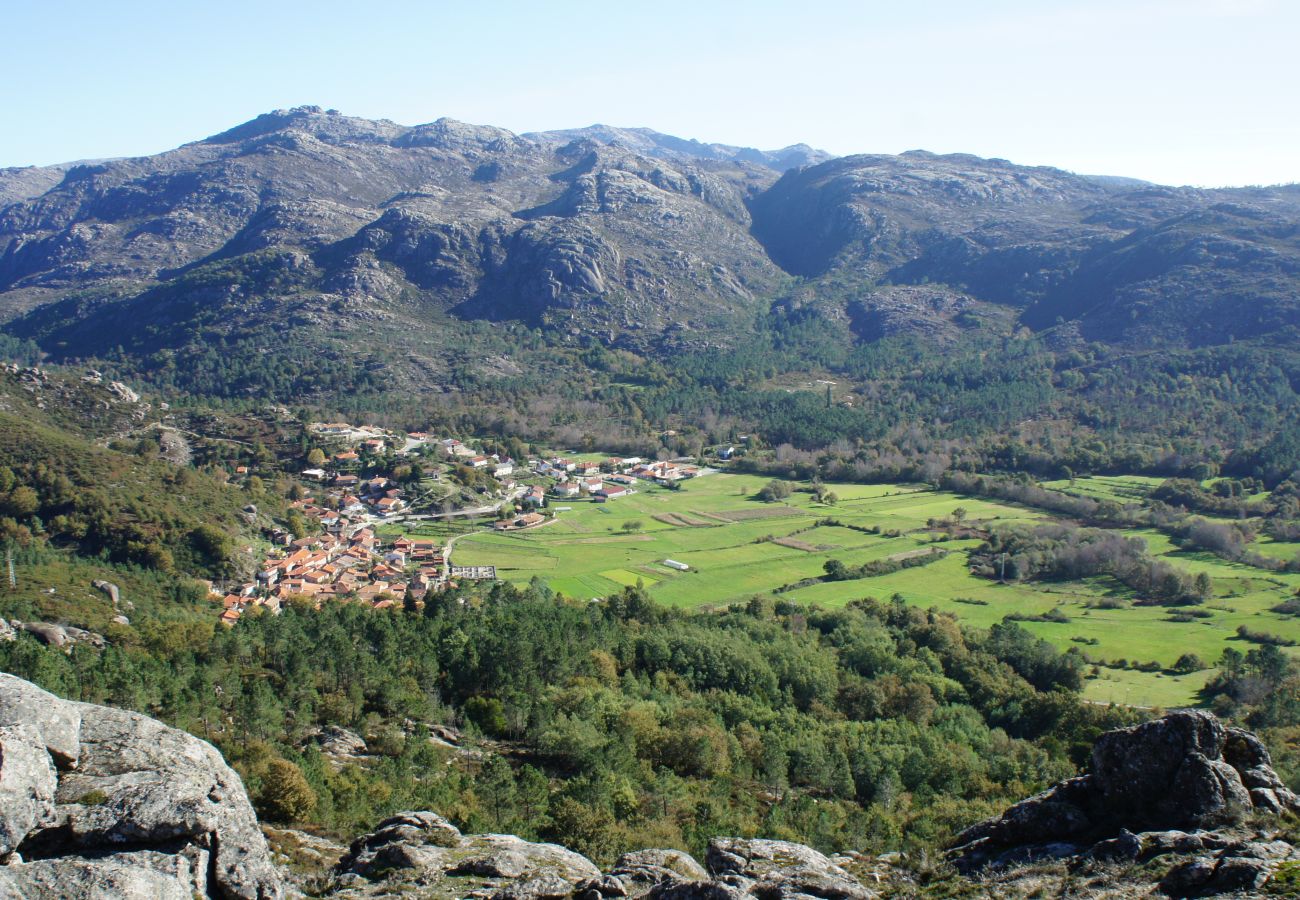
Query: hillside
<point x="445" y="218"/>
<point x="97" y="484"/>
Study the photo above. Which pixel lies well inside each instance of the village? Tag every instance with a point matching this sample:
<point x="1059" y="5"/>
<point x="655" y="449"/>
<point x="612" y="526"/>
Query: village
<point x="344" y="558"/>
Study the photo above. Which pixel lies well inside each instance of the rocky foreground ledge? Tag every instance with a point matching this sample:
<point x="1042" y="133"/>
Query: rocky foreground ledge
<point x="100" y="803"/>
<point x="421" y="854"/>
<point x="1183" y="787"/>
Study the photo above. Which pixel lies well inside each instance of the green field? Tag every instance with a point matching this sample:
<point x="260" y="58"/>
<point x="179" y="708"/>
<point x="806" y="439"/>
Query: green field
<point x="1120" y="488"/>
<point x="738" y="547"/>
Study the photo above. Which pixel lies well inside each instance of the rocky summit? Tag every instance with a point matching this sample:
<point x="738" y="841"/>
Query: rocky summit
<point x="97" y="803"/>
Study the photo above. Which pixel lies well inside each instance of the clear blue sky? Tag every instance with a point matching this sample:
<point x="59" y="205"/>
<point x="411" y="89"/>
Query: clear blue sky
<point x="1176" y="91"/>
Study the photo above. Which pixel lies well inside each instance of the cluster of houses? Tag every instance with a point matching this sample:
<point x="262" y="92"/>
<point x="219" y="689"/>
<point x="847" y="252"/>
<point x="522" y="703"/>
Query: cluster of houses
<point x="352" y="495"/>
<point x="344" y="562"/>
<point x="608" y="480"/>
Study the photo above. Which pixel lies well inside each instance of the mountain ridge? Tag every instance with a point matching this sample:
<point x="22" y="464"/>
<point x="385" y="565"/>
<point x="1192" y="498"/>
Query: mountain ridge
<point x="309" y="222"/>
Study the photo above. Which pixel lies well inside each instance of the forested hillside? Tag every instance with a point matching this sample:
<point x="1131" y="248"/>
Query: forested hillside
<point x="618" y="725"/>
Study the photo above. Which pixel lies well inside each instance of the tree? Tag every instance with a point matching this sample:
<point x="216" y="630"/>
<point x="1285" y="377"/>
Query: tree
<point x="316" y="457"/>
<point x="836" y="570"/>
<point x="774" y="490"/>
<point x="286" y="796"/>
<point x="21" y="502"/>
<point x="488" y="713"/>
<point x="212" y="544"/>
<point x="533" y="794"/>
<point x="496" y="784"/>
<point x="1204" y="587"/>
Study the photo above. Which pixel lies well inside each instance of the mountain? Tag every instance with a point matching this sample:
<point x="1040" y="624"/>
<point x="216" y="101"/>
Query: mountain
<point x="328" y="241"/>
<point x="647" y="142"/>
<point x="443" y="218"/>
<point x="1130" y="264"/>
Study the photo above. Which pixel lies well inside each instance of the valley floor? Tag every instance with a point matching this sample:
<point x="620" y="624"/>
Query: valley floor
<point x="737" y="547"/>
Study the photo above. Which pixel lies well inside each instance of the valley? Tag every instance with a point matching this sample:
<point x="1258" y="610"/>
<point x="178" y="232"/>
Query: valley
<point x="739" y="548"/>
<point x="611" y="489"/>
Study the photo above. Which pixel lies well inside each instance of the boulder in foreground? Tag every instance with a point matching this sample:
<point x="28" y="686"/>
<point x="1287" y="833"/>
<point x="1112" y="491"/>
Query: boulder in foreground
<point x="97" y="802"/>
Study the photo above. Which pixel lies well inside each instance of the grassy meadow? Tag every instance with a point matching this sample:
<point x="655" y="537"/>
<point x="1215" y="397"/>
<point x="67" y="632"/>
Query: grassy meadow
<point x="738" y="547"/>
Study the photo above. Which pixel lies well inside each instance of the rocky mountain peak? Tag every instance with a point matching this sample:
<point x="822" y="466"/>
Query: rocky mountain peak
<point x="650" y="143"/>
<point x="329" y="126"/>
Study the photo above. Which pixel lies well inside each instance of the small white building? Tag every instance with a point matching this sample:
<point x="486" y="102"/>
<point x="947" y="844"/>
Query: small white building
<point x="679" y="566"/>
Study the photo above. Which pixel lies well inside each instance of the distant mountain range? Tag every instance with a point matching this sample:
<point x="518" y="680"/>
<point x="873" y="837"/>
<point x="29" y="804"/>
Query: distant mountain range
<point x="315" y="223"/>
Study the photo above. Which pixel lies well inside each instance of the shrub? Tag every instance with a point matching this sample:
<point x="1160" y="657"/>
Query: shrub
<point x="286" y="796"/>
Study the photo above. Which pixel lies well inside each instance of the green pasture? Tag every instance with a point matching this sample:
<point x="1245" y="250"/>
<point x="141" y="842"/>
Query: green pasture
<point x="732" y="548"/>
<point x="1120" y="488"/>
<point x="1283" y="550"/>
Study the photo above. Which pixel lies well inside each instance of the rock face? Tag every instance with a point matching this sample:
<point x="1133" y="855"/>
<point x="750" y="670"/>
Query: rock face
<point x="339" y="744"/>
<point x="1179" y="785"/>
<point x="421" y="854"/>
<point x="98" y="802"/>
<point x="424" y="849"/>
<point x="1183" y="771"/>
<point x="54" y="635"/>
<point x="27" y="784"/>
<point x="780" y="869"/>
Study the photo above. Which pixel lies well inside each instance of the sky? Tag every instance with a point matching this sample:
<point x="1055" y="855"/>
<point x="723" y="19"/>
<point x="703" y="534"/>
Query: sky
<point x="1200" y="92"/>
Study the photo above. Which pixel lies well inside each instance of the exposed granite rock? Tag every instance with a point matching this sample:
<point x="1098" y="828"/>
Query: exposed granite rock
<point x="697" y="890"/>
<point x="780" y="869"/>
<point x="57" y="721"/>
<point x="148" y="811"/>
<point x="642" y="870"/>
<point x="27" y="785"/>
<point x="1185" y="770"/>
<point x="46" y="632"/>
<point x="425" y="849"/>
<point x="132" y="875"/>
<point x="114" y="593"/>
<point x="339" y="744"/>
<point x="676" y="861"/>
<point x="1171" y="793"/>
<point x="55" y="635"/>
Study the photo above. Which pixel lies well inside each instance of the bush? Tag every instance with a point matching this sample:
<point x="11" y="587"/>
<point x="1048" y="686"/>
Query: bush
<point x="488" y="714"/>
<point x="774" y="490"/>
<point x="286" y="796"/>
